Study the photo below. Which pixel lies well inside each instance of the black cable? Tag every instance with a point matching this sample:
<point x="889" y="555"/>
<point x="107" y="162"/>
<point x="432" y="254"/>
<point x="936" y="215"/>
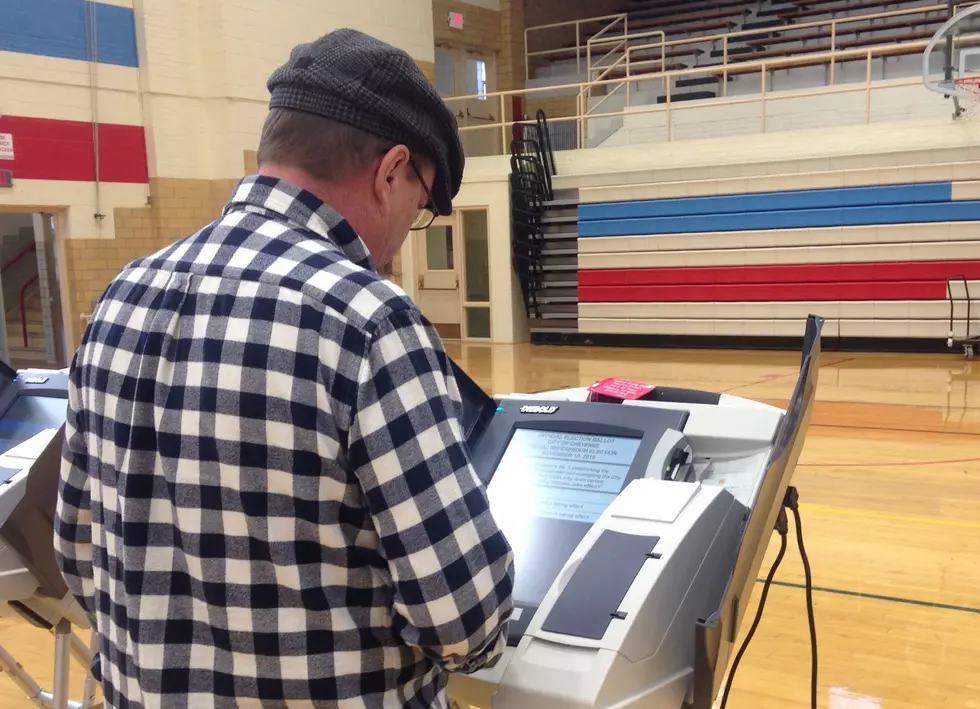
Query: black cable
<point x="782" y="529"/>
<point x="809" y="606"/>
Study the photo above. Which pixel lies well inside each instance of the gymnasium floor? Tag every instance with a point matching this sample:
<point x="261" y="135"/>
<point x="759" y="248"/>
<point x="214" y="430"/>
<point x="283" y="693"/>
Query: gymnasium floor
<point x="890" y="488"/>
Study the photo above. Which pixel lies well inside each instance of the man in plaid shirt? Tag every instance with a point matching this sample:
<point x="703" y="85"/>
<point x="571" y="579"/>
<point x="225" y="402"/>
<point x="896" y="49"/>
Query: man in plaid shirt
<point x="266" y="499"/>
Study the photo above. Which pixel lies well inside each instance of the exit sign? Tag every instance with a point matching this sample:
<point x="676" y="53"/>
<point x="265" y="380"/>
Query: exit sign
<point x="6" y="178"/>
<point x="456" y="20"/>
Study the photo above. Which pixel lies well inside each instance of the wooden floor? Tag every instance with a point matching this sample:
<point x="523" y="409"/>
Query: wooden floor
<point x="890" y="487"/>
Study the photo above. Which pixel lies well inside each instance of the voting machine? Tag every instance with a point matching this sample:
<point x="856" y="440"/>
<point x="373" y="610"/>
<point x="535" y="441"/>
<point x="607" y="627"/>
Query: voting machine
<point x="32" y="421"/>
<point x="638" y="530"/>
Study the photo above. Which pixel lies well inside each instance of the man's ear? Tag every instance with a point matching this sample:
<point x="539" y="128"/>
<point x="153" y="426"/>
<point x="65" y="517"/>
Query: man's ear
<point x="392" y="168"/>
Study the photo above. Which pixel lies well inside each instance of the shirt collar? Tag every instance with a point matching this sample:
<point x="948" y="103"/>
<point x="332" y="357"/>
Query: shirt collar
<point x="300" y="209"/>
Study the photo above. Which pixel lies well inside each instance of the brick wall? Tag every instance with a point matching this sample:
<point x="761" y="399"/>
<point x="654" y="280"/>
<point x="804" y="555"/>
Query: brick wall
<point x="510" y="66"/>
<point x="554" y="107"/>
<point x="429" y="69"/>
<point x="178" y="208"/>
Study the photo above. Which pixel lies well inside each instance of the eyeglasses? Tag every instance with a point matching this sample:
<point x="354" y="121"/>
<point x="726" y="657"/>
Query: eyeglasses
<point x="428" y="213"/>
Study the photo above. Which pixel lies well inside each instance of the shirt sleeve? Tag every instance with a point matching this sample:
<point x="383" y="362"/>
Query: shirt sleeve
<point x="451" y="567"/>
<point x="73" y="519"/>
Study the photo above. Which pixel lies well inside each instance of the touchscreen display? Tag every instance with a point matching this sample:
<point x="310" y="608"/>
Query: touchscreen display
<point x="548" y="489"/>
<point x="569" y="476"/>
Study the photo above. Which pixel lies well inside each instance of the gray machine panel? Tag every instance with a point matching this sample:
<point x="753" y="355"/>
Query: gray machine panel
<point x="537" y="452"/>
<point x="590" y="600"/>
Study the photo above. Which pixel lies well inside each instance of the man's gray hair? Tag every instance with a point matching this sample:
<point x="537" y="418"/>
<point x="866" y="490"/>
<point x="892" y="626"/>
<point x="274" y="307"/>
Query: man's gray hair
<point x="324" y="149"/>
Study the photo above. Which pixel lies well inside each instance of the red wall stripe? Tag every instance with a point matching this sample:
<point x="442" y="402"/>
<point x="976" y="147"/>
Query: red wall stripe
<point x="801" y="273"/>
<point x="767" y="292"/>
<point x="47" y="149"/>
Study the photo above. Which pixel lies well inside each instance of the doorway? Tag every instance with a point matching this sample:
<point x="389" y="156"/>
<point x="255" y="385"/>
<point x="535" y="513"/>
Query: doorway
<point x="453" y="283"/>
<point x="31" y="331"/>
<point x="464" y="72"/>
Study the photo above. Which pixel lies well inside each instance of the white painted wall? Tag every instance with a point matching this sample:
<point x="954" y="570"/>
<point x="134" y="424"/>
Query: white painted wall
<point x="486" y="184"/>
<point x="783" y="111"/>
<point x="205" y="64"/>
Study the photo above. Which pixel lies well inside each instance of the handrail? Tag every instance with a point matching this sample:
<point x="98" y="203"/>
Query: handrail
<point x="727" y="37"/>
<point x="18" y="257"/>
<point x="952" y="300"/>
<point x="743" y="67"/>
<point x="637" y="35"/>
<point x="624" y="18"/>
<point x="764" y="98"/>
<point x="547" y="154"/>
<point x="578" y="38"/>
<point x="23" y="307"/>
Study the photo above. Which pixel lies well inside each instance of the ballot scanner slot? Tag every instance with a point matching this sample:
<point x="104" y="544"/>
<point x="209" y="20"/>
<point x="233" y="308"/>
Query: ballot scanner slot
<point x="591" y="599"/>
<point x="676" y="395"/>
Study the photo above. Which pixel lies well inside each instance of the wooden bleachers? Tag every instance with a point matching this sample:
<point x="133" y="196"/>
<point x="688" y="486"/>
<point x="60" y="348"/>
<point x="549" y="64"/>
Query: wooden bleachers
<point x="809" y="10"/>
<point x="844" y="31"/>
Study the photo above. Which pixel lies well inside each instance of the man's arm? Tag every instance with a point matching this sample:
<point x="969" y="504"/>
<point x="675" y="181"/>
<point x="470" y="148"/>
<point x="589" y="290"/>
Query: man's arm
<point x="451" y="567"/>
<point x="73" y="518"/>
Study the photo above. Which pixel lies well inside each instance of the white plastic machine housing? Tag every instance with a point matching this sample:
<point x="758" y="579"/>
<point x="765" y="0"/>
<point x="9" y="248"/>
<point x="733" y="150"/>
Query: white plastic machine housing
<point x="31" y="586"/>
<point x="645" y="658"/>
<point x="19" y="582"/>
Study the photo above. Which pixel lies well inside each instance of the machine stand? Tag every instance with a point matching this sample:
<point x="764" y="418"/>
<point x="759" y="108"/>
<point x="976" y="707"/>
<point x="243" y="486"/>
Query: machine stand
<point x="66" y="643"/>
<point x="62" y="664"/>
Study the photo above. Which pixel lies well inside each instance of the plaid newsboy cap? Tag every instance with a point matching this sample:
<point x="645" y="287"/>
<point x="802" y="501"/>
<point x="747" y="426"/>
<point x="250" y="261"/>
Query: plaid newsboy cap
<point x="353" y="78"/>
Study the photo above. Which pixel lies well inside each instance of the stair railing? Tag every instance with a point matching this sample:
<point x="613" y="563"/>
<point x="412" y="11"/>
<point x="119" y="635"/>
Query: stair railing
<point x="17" y="257"/>
<point x="968" y="338"/>
<point x="532" y="166"/>
<point x="23" y="307"/>
<point x="546" y="154"/>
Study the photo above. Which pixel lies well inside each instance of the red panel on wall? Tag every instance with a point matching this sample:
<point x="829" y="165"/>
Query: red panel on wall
<point x="47" y="149"/>
<point x="797" y="273"/>
<point x="765" y="292"/>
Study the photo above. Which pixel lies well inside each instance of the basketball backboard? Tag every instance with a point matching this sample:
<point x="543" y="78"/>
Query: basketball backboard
<point x="951" y="60"/>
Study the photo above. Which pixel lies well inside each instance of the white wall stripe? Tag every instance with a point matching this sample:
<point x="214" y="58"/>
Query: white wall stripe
<point x="75" y="203"/>
<point x="885" y="310"/>
<point x="818" y="179"/>
<point x="921" y="329"/>
<point x="66" y="102"/>
<point x="828" y="236"/>
<point x="861" y="253"/>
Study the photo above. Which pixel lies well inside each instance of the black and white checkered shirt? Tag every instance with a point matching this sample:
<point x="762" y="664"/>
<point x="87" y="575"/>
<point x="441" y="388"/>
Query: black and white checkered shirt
<point x="265" y="499"/>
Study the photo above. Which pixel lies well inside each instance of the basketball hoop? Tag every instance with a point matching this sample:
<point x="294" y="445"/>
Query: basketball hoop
<point x="960" y="81"/>
<point x="969" y="91"/>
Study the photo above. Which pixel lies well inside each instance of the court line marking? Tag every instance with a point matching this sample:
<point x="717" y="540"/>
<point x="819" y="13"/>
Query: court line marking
<point x="774" y="377"/>
<point x="877" y="597"/>
<point x="893" y="464"/>
<point x="938" y="521"/>
<point x="896" y="430"/>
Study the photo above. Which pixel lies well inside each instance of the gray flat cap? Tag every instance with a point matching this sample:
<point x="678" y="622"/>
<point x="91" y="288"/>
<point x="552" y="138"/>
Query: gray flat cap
<point x="353" y="78"/>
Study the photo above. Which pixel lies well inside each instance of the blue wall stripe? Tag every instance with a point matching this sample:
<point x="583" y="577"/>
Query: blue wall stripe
<point x="793" y="219"/>
<point x="771" y="201"/>
<point x="56" y="28"/>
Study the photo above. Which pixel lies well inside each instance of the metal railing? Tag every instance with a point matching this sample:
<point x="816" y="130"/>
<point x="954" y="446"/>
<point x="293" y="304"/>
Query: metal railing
<point x="17" y="257"/>
<point x="22" y="301"/>
<point x="577" y="24"/>
<point x="727" y="38"/>
<point x="600" y="38"/>
<point x="598" y="71"/>
<point x="669" y="107"/>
